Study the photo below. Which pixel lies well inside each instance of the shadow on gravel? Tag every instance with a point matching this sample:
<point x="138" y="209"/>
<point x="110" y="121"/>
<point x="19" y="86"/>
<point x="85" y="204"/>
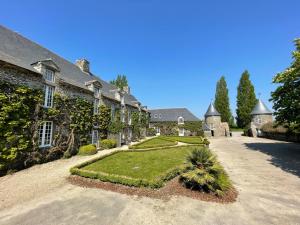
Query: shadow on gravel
<point x="284" y="155"/>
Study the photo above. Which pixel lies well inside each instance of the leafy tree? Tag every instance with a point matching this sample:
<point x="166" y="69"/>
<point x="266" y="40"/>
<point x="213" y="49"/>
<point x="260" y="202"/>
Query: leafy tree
<point x="246" y="100"/>
<point x="222" y="101"/>
<point x="120" y="82"/>
<point x="104" y="121"/>
<point x="286" y="97"/>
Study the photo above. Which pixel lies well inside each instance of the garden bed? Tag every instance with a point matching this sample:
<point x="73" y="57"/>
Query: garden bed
<point x="153" y="143"/>
<point x="172" y="188"/>
<point x="140" y="168"/>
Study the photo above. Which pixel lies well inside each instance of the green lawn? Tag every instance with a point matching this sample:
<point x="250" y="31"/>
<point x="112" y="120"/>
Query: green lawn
<point x="138" y="168"/>
<point x="153" y="143"/>
<point x="186" y="139"/>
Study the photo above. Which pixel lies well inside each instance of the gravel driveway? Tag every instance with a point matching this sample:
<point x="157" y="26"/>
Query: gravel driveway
<point x="265" y="172"/>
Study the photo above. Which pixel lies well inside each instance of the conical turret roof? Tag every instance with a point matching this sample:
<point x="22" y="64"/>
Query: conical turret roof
<point x="261" y="109"/>
<point x="211" y="111"/>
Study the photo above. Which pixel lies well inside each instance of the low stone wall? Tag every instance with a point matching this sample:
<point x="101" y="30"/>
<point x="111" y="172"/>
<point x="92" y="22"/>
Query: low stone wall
<point x="281" y="136"/>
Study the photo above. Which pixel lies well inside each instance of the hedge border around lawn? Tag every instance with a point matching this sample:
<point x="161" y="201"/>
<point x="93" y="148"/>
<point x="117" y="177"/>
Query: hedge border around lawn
<point x="169" y="138"/>
<point x="119" y="179"/>
<point x="136" y="146"/>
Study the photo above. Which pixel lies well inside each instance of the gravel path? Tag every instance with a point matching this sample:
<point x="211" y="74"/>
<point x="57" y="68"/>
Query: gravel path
<point x="266" y="173"/>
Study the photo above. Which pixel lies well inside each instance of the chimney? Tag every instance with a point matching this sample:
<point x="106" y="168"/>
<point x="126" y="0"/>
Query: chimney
<point x="84" y="65"/>
<point x="126" y="89"/>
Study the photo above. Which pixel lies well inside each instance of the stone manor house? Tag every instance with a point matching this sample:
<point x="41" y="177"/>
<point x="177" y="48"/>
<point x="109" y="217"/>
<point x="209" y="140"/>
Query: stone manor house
<point x="26" y="63"/>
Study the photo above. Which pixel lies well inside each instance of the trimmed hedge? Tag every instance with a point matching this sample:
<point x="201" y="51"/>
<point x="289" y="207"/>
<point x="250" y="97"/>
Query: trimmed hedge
<point x="113" y="178"/>
<point x="187" y="139"/>
<point x="108" y="143"/>
<point x="153" y="143"/>
<point x="87" y="150"/>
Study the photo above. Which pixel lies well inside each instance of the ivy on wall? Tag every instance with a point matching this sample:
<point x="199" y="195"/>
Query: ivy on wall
<point x="19" y="106"/>
<point x="104" y="120"/>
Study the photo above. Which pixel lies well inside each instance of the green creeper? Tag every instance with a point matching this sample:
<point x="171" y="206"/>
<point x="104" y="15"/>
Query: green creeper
<point x="246" y="100"/>
<point x="222" y="101"/>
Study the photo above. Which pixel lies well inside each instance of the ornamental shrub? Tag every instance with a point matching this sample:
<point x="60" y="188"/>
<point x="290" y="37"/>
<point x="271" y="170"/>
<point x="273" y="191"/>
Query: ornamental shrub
<point x="205" y="173"/>
<point x="151" y="132"/>
<point x="108" y="143"/>
<point x="87" y="150"/>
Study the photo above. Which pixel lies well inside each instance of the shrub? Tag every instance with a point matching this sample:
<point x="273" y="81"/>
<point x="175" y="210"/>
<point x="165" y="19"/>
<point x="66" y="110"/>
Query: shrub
<point x="108" y="143"/>
<point x="87" y="150"/>
<point x="205" y="174"/>
<point x="151" y="132"/>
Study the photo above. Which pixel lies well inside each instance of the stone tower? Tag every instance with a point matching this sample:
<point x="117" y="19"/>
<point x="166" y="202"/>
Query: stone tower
<point x="213" y="124"/>
<point x="260" y="116"/>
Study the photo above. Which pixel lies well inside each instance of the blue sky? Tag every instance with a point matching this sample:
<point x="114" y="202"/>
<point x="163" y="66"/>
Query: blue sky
<point x="173" y="52"/>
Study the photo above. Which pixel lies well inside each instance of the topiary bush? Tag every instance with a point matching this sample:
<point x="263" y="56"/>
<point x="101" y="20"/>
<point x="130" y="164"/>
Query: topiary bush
<point x="151" y="132"/>
<point x="108" y="143"/>
<point x="87" y="150"/>
<point x="205" y="173"/>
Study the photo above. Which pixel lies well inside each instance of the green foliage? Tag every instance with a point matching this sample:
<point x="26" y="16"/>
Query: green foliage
<point x="246" y="100"/>
<point x="116" y="125"/>
<point x="120" y="82"/>
<point x="153" y="143"/>
<point x="136" y="125"/>
<point x="143" y="168"/>
<point x="151" y="132"/>
<point x="222" y="101"/>
<point x="108" y="143"/>
<point x="187" y="139"/>
<point x="205" y="174"/>
<point x="18" y="109"/>
<point x="286" y="96"/>
<point x="87" y="150"/>
<point x="167" y="128"/>
<point x="104" y="120"/>
<point x="195" y="127"/>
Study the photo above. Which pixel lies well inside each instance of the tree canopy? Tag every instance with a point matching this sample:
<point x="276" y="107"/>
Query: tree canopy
<point x="120" y="81"/>
<point x="246" y="100"/>
<point x="222" y="101"/>
<point x="286" y="97"/>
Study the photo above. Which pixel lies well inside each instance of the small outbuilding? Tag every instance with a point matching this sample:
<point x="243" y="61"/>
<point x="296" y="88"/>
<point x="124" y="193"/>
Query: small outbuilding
<point x="260" y="116"/>
<point x="213" y="126"/>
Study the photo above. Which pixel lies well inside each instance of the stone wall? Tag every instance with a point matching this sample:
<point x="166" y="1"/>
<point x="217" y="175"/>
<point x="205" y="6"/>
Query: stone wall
<point x="19" y="76"/>
<point x="264" y="119"/>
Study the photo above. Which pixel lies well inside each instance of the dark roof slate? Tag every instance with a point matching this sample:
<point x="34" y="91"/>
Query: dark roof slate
<point x="211" y="111"/>
<point x="170" y="115"/>
<point x="261" y="109"/>
<point x="18" y="50"/>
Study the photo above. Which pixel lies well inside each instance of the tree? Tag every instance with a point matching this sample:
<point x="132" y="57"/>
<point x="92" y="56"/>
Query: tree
<point x="286" y="97"/>
<point x="120" y="82"/>
<point x="246" y="100"/>
<point x="222" y="101"/>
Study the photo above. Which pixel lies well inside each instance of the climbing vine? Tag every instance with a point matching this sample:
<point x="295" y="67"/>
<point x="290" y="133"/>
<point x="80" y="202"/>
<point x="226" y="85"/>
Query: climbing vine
<point x="18" y="111"/>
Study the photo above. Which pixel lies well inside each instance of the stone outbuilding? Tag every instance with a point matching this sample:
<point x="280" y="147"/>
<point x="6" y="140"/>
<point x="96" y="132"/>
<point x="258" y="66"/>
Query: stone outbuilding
<point x="213" y="126"/>
<point x="260" y="116"/>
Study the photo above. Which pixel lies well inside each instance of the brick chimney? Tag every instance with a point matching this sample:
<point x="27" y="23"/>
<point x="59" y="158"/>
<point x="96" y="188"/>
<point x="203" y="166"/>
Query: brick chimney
<point x="84" y="65"/>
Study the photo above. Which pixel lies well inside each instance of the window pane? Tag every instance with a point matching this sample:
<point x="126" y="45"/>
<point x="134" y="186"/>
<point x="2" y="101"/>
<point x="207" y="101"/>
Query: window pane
<point x="49" y="96"/>
<point x="49" y="75"/>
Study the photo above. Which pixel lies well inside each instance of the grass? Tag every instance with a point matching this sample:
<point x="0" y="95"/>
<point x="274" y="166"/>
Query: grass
<point x="149" y="168"/>
<point x="153" y="143"/>
<point x="185" y="139"/>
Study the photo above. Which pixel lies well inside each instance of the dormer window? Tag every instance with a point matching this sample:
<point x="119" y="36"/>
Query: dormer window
<point x="49" y="75"/>
<point x="97" y="92"/>
<point x="155" y="116"/>
<point x="180" y="120"/>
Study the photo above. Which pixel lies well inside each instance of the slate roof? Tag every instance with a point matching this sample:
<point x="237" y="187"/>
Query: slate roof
<point x="18" y="50"/>
<point x="261" y="109"/>
<point x="169" y="115"/>
<point x="211" y="111"/>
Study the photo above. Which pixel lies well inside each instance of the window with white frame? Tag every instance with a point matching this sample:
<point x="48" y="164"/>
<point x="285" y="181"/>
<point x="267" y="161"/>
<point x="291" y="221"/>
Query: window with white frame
<point x="97" y="92"/>
<point x="45" y="134"/>
<point x="112" y="112"/>
<point x="129" y="117"/>
<point x="258" y="120"/>
<point x="49" y="75"/>
<point x="49" y="92"/>
<point x="95" y="137"/>
<point x="155" y="116"/>
<point x="180" y="120"/>
<point x="96" y="106"/>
